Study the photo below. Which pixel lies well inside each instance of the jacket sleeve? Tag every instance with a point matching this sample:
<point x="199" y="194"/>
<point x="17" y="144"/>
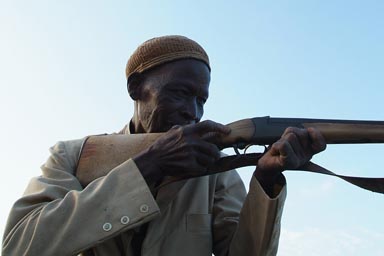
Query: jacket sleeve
<point x="256" y="230"/>
<point x="56" y="216"/>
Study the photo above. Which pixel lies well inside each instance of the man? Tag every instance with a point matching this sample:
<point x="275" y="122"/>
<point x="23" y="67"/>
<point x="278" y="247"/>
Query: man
<point x="129" y="211"/>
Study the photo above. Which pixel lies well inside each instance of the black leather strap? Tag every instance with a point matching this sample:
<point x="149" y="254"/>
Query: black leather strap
<point x="372" y="184"/>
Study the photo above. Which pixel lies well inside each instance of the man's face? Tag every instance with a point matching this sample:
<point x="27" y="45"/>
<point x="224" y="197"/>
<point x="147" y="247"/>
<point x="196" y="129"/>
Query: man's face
<point x="172" y="94"/>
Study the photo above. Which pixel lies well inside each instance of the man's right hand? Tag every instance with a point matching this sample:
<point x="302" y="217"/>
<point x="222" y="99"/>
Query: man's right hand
<point x="182" y="151"/>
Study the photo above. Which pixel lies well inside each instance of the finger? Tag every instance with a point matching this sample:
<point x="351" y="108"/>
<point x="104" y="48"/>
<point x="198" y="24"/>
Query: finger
<point x="175" y="127"/>
<point x="318" y="142"/>
<point x="193" y="169"/>
<point x="214" y="137"/>
<point x="297" y="138"/>
<point x="301" y="134"/>
<point x="198" y="163"/>
<point x="205" y="160"/>
<point x="286" y="156"/>
<point x="311" y="139"/>
<point x="195" y="147"/>
<point x="209" y="149"/>
<point x="290" y="130"/>
<point x="208" y="126"/>
<point x="278" y="149"/>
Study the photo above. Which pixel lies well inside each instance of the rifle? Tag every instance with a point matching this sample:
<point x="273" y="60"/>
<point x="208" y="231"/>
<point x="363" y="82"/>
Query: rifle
<point x="101" y="153"/>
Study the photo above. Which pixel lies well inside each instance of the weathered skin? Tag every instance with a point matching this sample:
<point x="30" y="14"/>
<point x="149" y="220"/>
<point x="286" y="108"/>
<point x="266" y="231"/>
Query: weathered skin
<point x="171" y="98"/>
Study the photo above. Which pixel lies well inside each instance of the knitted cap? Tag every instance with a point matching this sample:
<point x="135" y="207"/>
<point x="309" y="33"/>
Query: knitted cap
<point x="160" y="50"/>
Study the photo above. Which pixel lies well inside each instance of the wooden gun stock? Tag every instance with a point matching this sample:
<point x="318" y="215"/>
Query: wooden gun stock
<point x="100" y="154"/>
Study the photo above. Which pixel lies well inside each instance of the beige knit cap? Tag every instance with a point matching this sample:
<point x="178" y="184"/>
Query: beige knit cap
<point x="160" y="50"/>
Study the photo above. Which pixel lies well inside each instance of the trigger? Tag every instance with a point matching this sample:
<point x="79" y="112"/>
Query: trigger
<point x="236" y="149"/>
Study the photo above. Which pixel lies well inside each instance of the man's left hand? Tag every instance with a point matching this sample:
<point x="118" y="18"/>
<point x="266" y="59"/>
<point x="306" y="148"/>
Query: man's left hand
<point x="294" y="149"/>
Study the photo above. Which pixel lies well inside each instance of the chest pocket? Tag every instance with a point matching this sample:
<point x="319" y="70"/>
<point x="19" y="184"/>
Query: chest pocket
<point x="199" y="223"/>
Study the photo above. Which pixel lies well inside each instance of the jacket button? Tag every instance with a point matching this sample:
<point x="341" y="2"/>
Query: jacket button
<point x="124" y="220"/>
<point x="107" y="226"/>
<point x="144" y="208"/>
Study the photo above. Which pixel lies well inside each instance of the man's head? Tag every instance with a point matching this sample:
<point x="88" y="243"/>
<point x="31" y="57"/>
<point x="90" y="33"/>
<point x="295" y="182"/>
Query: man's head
<point x="168" y="78"/>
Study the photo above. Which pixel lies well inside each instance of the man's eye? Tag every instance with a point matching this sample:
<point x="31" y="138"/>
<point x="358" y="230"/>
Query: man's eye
<point x="180" y="92"/>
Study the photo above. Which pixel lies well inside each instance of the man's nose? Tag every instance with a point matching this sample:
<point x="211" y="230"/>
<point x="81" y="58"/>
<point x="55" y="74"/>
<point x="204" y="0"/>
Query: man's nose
<point x="191" y="111"/>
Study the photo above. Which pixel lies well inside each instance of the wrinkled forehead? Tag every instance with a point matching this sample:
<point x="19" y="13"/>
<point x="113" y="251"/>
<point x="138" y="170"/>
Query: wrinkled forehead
<point x="184" y="71"/>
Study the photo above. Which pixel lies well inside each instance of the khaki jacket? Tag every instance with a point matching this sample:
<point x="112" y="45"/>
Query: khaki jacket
<point x="200" y="216"/>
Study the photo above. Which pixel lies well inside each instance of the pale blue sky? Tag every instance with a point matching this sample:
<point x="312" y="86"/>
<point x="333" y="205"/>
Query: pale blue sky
<point x="62" y="77"/>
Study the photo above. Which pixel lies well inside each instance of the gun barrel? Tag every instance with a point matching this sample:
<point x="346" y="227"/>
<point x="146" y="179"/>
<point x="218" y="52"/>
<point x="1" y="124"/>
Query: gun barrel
<point x="266" y="130"/>
<point x="339" y="133"/>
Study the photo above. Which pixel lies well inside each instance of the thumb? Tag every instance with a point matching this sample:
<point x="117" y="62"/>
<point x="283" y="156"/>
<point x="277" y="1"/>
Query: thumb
<point x="210" y="127"/>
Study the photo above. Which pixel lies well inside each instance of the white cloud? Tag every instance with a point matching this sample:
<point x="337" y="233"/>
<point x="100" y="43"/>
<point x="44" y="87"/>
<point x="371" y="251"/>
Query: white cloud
<point x="316" y="242"/>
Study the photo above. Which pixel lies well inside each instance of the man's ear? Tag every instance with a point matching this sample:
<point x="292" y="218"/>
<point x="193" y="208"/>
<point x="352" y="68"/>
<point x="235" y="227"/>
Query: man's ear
<point x="133" y="85"/>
